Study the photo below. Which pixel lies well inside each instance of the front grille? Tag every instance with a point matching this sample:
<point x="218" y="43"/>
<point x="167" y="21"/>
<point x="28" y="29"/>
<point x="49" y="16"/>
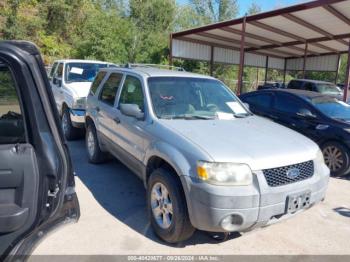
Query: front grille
<point x="278" y="176"/>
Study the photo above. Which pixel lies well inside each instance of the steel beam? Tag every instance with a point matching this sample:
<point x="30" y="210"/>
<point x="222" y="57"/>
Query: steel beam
<point x="346" y="86"/>
<point x="241" y="59"/>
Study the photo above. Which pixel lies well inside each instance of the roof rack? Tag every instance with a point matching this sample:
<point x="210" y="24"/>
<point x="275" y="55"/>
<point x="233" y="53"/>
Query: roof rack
<point x="176" y="68"/>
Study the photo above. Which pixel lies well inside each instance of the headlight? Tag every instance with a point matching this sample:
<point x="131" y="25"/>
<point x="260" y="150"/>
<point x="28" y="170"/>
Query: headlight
<point x="79" y="103"/>
<point x="224" y="173"/>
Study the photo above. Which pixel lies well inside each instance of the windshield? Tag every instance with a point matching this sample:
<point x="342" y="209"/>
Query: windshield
<point x="193" y="98"/>
<point x="332" y="107"/>
<point x="329" y="89"/>
<point x="82" y="72"/>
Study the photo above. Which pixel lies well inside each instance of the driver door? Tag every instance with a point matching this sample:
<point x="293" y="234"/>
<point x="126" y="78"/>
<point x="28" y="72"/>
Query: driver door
<point x="36" y="178"/>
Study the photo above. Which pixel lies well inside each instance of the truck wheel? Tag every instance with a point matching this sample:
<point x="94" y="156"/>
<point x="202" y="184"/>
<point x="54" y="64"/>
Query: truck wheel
<point x="167" y="207"/>
<point x="69" y="131"/>
<point x="336" y="157"/>
<point x="95" y="154"/>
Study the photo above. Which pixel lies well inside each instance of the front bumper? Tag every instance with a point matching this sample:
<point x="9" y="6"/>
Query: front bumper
<point x="77" y="117"/>
<point x="249" y="206"/>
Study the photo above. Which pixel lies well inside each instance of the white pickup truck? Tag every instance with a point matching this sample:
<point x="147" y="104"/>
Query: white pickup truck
<point x="70" y="81"/>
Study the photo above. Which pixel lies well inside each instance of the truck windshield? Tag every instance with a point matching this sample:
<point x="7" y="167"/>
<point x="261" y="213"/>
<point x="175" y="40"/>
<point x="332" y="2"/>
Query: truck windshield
<point x="332" y="107"/>
<point x="82" y="72"/>
<point x="193" y="98"/>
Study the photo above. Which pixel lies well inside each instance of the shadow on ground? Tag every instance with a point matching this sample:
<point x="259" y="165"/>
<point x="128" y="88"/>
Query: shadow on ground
<point x="122" y="194"/>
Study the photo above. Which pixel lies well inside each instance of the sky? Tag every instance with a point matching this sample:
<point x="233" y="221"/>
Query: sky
<point x="266" y="5"/>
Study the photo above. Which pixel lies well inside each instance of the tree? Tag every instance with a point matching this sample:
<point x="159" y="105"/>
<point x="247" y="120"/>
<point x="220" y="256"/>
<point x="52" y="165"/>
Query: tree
<point x="253" y="9"/>
<point x="212" y="11"/>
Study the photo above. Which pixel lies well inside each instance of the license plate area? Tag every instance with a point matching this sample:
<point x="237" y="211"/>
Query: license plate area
<point x="298" y="201"/>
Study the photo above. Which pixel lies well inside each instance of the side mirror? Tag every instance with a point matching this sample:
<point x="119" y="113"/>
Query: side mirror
<point x="305" y="113"/>
<point x="132" y="110"/>
<point x="246" y="105"/>
<point x="57" y="81"/>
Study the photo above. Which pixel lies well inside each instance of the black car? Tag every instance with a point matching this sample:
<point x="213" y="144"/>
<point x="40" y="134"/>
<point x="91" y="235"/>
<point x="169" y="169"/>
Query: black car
<point x="322" y="118"/>
<point x="37" y="190"/>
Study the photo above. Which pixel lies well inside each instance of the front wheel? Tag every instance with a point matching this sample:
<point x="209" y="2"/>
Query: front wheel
<point x="336" y="157"/>
<point x="167" y="207"/>
<point x="69" y="131"/>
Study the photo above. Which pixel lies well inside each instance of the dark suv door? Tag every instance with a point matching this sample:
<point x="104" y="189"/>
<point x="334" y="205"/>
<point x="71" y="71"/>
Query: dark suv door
<point x="37" y="190"/>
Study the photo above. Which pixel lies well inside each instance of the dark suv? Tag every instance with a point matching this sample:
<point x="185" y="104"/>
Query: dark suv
<point x="325" y="88"/>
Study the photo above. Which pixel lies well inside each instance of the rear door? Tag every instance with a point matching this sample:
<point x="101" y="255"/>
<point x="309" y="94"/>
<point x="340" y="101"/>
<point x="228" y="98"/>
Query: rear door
<point x="36" y="178"/>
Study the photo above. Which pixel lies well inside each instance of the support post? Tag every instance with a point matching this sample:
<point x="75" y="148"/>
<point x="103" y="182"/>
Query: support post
<point x="241" y="59"/>
<point x="337" y="72"/>
<point x="284" y="72"/>
<point x="305" y="57"/>
<point x="171" y="49"/>
<point x="211" y="69"/>
<point x="266" y="69"/>
<point x="346" y="86"/>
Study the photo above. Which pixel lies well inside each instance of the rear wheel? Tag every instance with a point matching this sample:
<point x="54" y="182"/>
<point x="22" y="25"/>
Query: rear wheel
<point x="95" y="154"/>
<point x="69" y="131"/>
<point x="167" y="207"/>
<point x="336" y="157"/>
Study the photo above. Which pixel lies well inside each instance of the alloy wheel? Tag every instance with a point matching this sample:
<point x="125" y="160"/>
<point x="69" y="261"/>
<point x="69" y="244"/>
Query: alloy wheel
<point x="333" y="158"/>
<point x="161" y="204"/>
<point x="90" y="142"/>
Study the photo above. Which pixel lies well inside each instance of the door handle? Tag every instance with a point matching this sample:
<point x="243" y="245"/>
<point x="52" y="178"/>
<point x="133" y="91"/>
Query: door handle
<point x="97" y="109"/>
<point x="116" y="120"/>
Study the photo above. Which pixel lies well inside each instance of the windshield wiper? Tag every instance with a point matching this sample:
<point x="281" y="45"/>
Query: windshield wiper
<point x="189" y="117"/>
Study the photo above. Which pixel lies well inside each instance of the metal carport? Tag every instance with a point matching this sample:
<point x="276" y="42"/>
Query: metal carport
<point x="309" y="36"/>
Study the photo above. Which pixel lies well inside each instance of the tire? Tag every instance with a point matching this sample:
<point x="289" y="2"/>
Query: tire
<point x="180" y="227"/>
<point x="69" y="131"/>
<point x="337" y="158"/>
<point x="95" y="155"/>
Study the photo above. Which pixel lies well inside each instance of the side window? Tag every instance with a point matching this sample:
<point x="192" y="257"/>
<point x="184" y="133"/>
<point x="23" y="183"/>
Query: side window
<point x="53" y="69"/>
<point x="110" y="88"/>
<point x="97" y="82"/>
<point x="132" y="92"/>
<point x="261" y="100"/>
<point x="59" y="72"/>
<point x="308" y="86"/>
<point x="11" y="121"/>
<point x="288" y="104"/>
<point x="294" y="84"/>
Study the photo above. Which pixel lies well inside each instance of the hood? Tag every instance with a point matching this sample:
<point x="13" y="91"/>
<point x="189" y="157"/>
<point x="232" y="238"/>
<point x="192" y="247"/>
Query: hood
<point x="79" y="89"/>
<point x="255" y="141"/>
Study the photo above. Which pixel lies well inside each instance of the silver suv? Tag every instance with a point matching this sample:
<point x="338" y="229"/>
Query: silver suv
<point x="206" y="161"/>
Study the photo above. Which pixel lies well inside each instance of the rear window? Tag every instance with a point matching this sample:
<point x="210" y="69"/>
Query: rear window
<point x="261" y="100"/>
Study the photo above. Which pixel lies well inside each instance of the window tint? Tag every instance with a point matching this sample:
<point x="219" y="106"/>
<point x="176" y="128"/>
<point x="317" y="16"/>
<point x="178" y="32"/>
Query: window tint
<point x="308" y="87"/>
<point x="288" y="104"/>
<point x="97" y="82"/>
<point x="261" y="100"/>
<point x="11" y="121"/>
<point x="132" y="92"/>
<point x="110" y="88"/>
<point x="59" y="71"/>
<point x="294" y="84"/>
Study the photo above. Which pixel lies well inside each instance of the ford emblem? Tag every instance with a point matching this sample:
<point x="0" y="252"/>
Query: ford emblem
<point x="293" y="173"/>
